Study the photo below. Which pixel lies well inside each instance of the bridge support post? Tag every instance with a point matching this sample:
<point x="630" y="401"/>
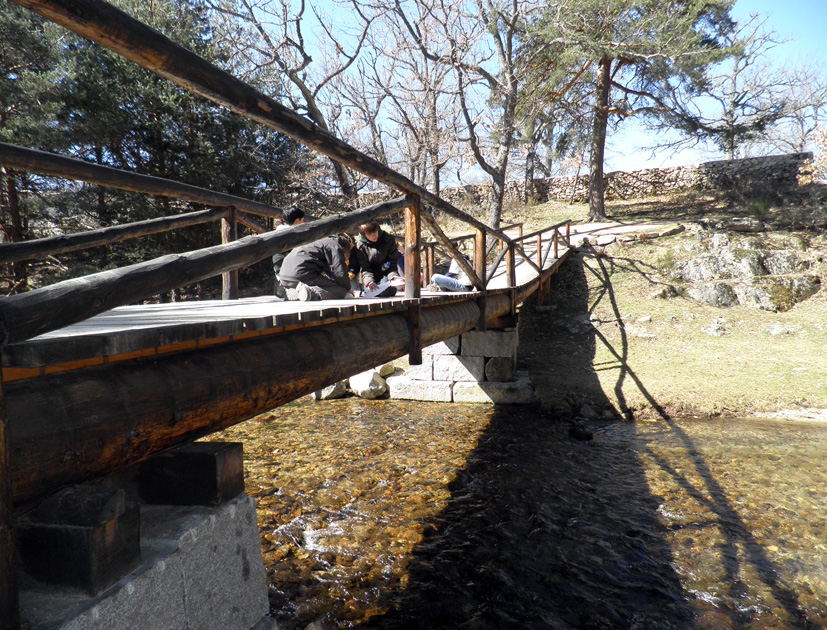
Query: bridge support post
<point x="413" y="265"/>
<point x="229" y="233"/>
<point x="544" y="287"/>
<point x="9" y="607"/>
<point x="413" y="272"/>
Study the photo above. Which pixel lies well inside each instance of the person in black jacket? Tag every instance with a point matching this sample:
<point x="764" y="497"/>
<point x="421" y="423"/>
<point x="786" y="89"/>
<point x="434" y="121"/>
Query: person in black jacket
<point x="378" y="255"/>
<point x="318" y="270"/>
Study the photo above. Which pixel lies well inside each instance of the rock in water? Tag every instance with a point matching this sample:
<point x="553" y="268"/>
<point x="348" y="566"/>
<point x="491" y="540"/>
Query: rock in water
<point x="578" y="432"/>
<point x="368" y="384"/>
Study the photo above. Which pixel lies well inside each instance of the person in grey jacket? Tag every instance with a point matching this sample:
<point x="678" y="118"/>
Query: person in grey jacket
<point x="318" y="270"/>
<point x="292" y="216"/>
<point x="378" y="255"/>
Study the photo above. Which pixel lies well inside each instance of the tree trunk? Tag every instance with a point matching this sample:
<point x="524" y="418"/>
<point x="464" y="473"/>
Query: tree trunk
<point x="597" y="209"/>
<point x="496" y="205"/>
<point x="13" y="227"/>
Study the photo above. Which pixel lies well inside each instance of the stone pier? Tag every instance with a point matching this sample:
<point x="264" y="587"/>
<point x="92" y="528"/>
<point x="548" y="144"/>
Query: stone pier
<point x="477" y="366"/>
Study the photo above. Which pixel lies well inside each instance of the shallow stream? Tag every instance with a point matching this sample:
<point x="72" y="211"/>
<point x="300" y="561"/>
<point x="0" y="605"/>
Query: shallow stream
<point x="397" y="514"/>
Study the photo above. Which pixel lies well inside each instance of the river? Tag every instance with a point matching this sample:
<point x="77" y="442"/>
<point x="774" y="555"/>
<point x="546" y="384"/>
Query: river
<point x="392" y="514"/>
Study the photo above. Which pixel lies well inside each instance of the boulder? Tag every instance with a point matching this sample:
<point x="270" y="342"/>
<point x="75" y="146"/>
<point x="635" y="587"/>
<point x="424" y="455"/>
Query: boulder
<point x="368" y="384"/>
<point x="386" y="370"/>
<point x="713" y="293"/>
<point x="337" y="390"/>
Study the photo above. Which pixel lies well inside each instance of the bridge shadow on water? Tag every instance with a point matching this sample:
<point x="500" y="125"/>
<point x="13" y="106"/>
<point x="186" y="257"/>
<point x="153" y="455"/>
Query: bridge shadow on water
<point x="544" y="530"/>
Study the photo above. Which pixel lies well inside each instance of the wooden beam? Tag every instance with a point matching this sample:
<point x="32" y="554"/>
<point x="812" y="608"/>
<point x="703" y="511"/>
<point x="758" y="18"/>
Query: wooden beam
<point x="9" y="610"/>
<point x="430" y="269"/>
<point x="114" y="29"/>
<point x="453" y="252"/>
<point x="249" y="222"/>
<point x="413" y="265"/>
<point x="229" y="234"/>
<point x="415" y="334"/>
<point x="98" y="420"/>
<point x="480" y="252"/>
<point x="28" y="314"/>
<point x="37" y="248"/>
<point x="34" y="161"/>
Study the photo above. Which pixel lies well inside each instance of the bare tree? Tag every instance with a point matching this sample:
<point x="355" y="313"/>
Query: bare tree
<point x="806" y="97"/>
<point x="296" y="54"/>
<point x="741" y="98"/>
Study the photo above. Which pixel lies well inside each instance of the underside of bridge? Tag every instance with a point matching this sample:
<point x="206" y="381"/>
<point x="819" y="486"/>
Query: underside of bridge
<point x="77" y="425"/>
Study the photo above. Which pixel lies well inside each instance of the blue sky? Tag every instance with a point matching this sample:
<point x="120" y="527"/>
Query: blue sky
<point x="802" y="22"/>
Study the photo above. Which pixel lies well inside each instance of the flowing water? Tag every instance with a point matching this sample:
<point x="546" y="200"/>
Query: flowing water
<point x="395" y="514"/>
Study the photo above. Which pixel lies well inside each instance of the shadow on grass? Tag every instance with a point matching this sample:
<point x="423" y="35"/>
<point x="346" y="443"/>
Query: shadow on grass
<point x="709" y="492"/>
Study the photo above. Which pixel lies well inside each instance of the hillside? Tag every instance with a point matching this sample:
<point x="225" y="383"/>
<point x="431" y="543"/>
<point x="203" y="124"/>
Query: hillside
<point x="626" y="336"/>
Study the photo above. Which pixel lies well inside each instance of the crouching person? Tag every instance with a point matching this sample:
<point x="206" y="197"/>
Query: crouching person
<point x="318" y="270"/>
<point x="378" y="256"/>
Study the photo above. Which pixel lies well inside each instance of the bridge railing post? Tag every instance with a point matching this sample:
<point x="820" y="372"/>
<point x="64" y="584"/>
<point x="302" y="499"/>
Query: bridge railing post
<point x="9" y="609"/>
<point x="479" y="255"/>
<point x="413" y="271"/>
<point x="511" y="270"/>
<point x="229" y="233"/>
<point x="540" y="250"/>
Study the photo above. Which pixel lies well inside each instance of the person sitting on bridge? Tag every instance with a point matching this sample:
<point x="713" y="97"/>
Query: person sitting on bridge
<point x="291" y="216"/>
<point x="378" y="256"/>
<point x="318" y="270"/>
<point x="454" y="280"/>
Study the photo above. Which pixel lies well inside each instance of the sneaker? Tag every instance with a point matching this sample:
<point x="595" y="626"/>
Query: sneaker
<point x="434" y="288"/>
<point x="280" y="291"/>
<point x="301" y="293"/>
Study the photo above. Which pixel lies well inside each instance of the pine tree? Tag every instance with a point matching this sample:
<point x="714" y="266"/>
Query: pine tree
<point x="635" y="50"/>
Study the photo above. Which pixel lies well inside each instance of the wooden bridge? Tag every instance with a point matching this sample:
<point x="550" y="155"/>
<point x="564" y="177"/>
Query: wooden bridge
<point x="93" y="383"/>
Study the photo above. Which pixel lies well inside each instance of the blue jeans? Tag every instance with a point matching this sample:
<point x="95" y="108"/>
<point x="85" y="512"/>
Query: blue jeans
<point x="448" y="283"/>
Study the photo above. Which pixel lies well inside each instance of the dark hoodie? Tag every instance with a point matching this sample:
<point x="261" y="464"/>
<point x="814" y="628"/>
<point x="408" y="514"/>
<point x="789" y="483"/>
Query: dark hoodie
<point x="323" y="257"/>
<point x="378" y="259"/>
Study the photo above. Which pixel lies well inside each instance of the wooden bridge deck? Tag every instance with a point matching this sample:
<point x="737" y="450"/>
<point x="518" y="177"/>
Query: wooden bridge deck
<point x="130" y="332"/>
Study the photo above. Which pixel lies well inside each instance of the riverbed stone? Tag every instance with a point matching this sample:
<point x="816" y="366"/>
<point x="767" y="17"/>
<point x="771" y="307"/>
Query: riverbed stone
<point x="368" y="384"/>
<point x="337" y="390"/>
<point x="406" y="388"/>
<point x="458" y="368"/>
<point x="386" y="370"/>
<point x="490" y="343"/>
<point x="517" y="392"/>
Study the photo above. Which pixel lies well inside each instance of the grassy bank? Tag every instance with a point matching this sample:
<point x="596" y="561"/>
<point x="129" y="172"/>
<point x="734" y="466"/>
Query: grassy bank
<point x="608" y="343"/>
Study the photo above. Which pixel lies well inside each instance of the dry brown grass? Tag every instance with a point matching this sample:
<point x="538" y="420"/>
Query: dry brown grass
<point x="644" y="356"/>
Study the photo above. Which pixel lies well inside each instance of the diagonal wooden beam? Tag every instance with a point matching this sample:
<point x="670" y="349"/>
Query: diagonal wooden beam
<point x="453" y="252"/>
<point x="110" y="27"/>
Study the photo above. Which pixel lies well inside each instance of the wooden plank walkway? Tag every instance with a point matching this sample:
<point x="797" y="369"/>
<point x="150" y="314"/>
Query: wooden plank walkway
<point x="145" y="330"/>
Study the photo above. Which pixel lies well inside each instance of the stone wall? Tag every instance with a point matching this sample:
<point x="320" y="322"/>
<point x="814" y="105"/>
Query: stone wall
<point x="477" y="366"/>
<point x="775" y="172"/>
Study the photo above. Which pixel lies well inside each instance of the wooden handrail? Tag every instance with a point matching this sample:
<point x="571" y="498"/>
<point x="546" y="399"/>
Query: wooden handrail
<point x="34" y="161"/>
<point x="32" y="313"/>
<point x="541" y="231"/>
<point x="112" y="28"/>
<point x="26" y="250"/>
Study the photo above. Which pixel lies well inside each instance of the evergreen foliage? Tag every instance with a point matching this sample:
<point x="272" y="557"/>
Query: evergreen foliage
<point x="104" y="109"/>
<point x="634" y="53"/>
